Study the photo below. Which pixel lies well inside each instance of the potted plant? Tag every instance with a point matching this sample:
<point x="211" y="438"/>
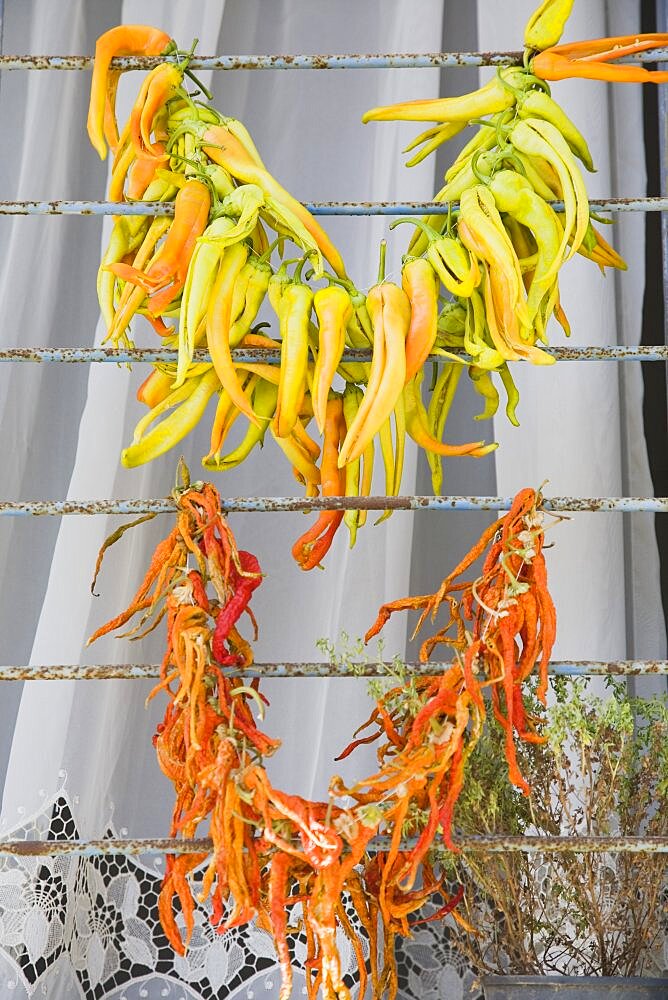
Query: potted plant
<point x="570" y="925"/>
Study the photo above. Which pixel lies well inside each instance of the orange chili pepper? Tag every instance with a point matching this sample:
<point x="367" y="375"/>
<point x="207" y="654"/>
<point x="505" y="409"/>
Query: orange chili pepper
<point x="590" y="60"/>
<point x="155" y="388"/>
<point x="310" y="548"/>
<point x="125" y="40"/>
<point x="143" y="169"/>
<point x="420" y="284"/>
<point x="159" y="87"/>
<point x="166" y="275"/>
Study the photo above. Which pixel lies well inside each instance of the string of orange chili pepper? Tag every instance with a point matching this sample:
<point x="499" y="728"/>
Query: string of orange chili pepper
<point x="272" y="850"/>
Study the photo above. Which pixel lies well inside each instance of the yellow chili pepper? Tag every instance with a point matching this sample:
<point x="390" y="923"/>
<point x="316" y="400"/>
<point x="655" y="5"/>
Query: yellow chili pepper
<point x="536" y="137"/>
<point x="546" y="25"/>
<point x="218" y="321"/>
<point x="390" y="314"/>
<point x="264" y="406"/>
<point x="198" y="289"/>
<point x="294" y="314"/>
<point x="538" y="104"/>
<point x="487" y="100"/>
<point x="454" y="265"/>
<point x="259" y="275"/>
<point x="515" y="196"/>
<point x="352" y="398"/>
<point x="174" y="427"/>
<point x="334" y="311"/>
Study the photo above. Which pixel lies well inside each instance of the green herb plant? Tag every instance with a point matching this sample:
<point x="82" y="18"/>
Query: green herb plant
<point x="603" y="771"/>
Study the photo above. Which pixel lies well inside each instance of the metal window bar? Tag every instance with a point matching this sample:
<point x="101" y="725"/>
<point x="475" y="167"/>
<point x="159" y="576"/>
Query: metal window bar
<point x="275" y="505"/>
<point x="494" y="843"/>
<point x="569" y="668"/>
<point x="323" y="208"/>
<point x="268" y="355"/>
<point x="143" y="671"/>
<point x="386" y="60"/>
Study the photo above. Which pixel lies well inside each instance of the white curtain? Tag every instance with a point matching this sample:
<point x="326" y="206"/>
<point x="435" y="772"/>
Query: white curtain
<point x="78" y="755"/>
<point x="85" y="747"/>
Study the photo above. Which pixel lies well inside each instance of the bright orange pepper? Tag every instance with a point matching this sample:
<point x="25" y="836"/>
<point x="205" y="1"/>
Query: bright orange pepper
<point x="125" y="40"/>
<point x="590" y="60"/>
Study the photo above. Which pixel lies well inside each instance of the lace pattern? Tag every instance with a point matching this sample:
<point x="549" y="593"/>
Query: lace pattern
<point x="87" y="927"/>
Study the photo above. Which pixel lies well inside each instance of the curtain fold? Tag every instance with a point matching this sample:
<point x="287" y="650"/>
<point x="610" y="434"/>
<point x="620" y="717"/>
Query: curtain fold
<point x="80" y="755"/>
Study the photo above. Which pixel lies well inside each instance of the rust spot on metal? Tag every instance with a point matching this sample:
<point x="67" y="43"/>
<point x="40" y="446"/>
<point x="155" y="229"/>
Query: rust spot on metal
<point x="497" y="843"/>
<point x="142" y="671"/>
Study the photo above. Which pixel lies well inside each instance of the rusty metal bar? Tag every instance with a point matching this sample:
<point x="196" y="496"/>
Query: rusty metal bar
<point x="495" y="844"/>
<point x="141" y="671"/>
<point x="150" y="355"/>
<point x="389" y="60"/>
<point x="164" y="505"/>
<point x="166" y="208"/>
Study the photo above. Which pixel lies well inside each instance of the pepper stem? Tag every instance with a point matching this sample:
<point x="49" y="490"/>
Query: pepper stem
<point x="297" y="276"/>
<point x="475" y="159"/>
<point x="428" y="230"/>
<point x="343" y="282"/>
<point x="381" y="263"/>
<point x="184" y="59"/>
<point x="266" y="256"/>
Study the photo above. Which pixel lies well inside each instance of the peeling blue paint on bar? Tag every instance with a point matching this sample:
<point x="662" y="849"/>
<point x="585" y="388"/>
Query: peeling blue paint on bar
<point x="492" y="843"/>
<point x="19" y="508"/>
<point x="142" y="671"/>
<point x="121" y="355"/>
<point x="387" y="60"/>
<point x="353" y="208"/>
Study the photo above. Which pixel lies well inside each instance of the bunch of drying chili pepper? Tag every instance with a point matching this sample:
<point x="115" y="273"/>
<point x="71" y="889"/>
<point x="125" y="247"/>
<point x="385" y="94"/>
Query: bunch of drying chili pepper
<point x="272" y="851"/>
<point x="498" y="252"/>
<point x="209" y="269"/>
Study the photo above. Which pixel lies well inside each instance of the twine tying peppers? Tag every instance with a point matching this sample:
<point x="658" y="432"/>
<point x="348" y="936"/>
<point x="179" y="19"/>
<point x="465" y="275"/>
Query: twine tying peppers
<point x="282" y="860"/>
